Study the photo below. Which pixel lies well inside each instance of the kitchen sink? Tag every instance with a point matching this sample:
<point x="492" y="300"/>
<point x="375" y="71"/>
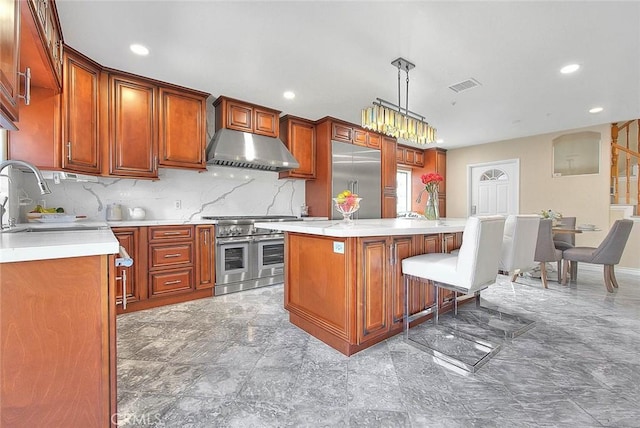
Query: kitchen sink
<point x="53" y="228"/>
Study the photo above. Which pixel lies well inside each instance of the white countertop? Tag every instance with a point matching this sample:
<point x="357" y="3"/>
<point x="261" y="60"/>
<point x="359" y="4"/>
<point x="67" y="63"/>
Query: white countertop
<point x="27" y="246"/>
<point x="370" y="227"/>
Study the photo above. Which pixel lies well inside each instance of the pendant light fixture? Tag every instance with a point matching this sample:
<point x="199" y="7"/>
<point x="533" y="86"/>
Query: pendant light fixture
<point x="396" y="121"/>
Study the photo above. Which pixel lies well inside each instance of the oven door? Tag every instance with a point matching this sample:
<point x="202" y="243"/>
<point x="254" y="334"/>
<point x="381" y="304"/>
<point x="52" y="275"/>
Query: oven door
<point x="233" y="260"/>
<point x="269" y="251"/>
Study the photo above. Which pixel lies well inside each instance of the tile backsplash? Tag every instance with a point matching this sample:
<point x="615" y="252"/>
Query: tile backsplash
<point x="217" y="191"/>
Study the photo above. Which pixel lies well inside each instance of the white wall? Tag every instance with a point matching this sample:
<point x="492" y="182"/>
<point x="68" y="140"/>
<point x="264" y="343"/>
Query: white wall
<point x="583" y="196"/>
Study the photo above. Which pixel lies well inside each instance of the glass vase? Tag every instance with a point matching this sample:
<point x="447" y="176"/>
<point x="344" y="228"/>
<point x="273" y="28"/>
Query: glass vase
<point x="431" y="210"/>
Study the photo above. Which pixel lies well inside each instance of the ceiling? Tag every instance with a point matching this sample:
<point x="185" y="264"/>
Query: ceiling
<point x="336" y="56"/>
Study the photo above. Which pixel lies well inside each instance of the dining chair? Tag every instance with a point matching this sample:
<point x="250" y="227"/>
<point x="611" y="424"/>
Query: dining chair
<point x="608" y="253"/>
<point x="545" y="250"/>
<point x="564" y="241"/>
<point x="468" y="272"/>
<point x="518" y="244"/>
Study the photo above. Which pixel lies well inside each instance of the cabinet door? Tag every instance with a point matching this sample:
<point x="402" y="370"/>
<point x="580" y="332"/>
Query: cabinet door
<point x="418" y="158"/>
<point x="239" y="117"/>
<point x="300" y="138"/>
<point x="374" y="140"/>
<point x="129" y="238"/>
<point x="449" y="243"/>
<point x="265" y="122"/>
<point x="205" y="258"/>
<point x="341" y="133"/>
<point x="400" y="154"/>
<point x="9" y="62"/>
<point x="80" y="129"/>
<point x="402" y="248"/>
<point x="183" y="130"/>
<point x="359" y="137"/>
<point x="373" y="290"/>
<point x="132" y="127"/>
<point x="441" y="168"/>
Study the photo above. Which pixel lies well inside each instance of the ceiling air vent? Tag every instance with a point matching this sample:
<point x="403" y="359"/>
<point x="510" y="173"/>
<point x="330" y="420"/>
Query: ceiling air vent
<point x="464" y="85"/>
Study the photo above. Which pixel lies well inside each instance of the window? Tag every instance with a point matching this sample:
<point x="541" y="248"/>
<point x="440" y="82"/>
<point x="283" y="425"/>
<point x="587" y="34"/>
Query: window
<point x="403" y="181"/>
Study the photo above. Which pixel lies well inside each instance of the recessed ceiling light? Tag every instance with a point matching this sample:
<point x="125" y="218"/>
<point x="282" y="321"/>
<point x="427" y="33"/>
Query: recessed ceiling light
<point x="139" y="49"/>
<point x="571" y="68"/>
<point x="439" y="141"/>
<point x="596" y="110"/>
<point x="289" y="95"/>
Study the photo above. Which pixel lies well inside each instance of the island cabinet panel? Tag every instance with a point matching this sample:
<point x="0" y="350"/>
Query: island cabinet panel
<point x="374" y="295"/>
<point x="349" y="292"/>
<point x="183" y="129"/>
<point x="133" y="127"/>
<point x="57" y="325"/>
<point x="320" y="287"/>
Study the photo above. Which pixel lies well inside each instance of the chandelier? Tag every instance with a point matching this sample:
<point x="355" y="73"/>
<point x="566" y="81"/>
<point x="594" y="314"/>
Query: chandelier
<point x="396" y="121"/>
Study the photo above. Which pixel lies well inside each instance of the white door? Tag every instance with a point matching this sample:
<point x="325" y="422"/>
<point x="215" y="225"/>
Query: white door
<point x="494" y="188"/>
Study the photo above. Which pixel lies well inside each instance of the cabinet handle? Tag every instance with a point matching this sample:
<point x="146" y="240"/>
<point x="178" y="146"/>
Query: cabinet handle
<point x="392" y="258"/>
<point x="155" y="163"/>
<point x="171" y="233"/>
<point x="170" y="256"/>
<point x="27" y="86"/>
<point x="177" y="281"/>
<point x="123" y="278"/>
<point x="69" y="151"/>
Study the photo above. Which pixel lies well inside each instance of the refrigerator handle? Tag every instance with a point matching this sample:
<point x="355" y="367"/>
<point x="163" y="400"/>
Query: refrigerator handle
<point x="354" y="187"/>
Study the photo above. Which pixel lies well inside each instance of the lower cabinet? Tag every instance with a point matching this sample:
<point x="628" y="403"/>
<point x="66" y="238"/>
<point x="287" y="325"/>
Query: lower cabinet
<point x="359" y="301"/>
<point x="57" y="323"/>
<point x="171" y="264"/>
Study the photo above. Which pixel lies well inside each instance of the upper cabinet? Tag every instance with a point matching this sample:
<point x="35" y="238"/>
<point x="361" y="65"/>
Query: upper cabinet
<point x="133" y="127"/>
<point x="351" y="134"/>
<point x="246" y="117"/>
<point x="299" y="135"/>
<point x="80" y="117"/>
<point x="410" y="156"/>
<point x="183" y="128"/>
<point x="9" y="62"/>
<point x="46" y="19"/>
<point x="389" y="173"/>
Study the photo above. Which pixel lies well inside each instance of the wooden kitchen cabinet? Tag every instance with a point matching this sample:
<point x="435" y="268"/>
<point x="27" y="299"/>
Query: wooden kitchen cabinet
<point x="299" y="135"/>
<point x="183" y="128"/>
<point x="366" y="139"/>
<point x="205" y="257"/>
<point x="81" y="120"/>
<point x="410" y="156"/>
<point x="59" y="343"/>
<point x="246" y="117"/>
<point x="389" y="173"/>
<point x="360" y="300"/>
<point x="9" y="62"/>
<point x="171" y="260"/>
<point x="132" y="239"/>
<point x="46" y="18"/>
<point x="133" y="127"/>
<point x="171" y="264"/>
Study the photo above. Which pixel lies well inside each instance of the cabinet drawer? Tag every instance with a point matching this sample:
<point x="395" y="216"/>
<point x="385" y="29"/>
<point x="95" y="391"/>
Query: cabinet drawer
<point x="171" y="255"/>
<point x="341" y="133"/>
<point x="158" y="233"/>
<point x="163" y="283"/>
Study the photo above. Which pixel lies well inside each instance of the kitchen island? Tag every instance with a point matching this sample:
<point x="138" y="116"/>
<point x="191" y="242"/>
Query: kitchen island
<point x="343" y="281"/>
<point x="57" y="326"/>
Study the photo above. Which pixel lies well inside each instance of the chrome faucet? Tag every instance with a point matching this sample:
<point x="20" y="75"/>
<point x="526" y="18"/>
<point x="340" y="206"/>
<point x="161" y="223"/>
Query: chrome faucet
<point x="44" y="189"/>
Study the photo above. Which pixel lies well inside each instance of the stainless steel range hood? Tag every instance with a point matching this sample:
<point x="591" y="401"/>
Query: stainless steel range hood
<point x="245" y="150"/>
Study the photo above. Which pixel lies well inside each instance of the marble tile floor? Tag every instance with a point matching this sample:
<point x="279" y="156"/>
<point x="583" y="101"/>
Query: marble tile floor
<point x="236" y="361"/>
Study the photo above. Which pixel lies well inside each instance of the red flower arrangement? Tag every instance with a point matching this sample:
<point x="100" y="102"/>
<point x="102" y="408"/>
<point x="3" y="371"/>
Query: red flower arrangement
<point x="431" y="181"/>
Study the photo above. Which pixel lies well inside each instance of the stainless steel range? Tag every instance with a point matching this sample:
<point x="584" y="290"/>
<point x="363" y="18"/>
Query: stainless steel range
<point x="247" y="257"/>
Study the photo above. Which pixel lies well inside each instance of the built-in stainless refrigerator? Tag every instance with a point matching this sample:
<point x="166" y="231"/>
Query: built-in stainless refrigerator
<point x="357" y="169"/>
